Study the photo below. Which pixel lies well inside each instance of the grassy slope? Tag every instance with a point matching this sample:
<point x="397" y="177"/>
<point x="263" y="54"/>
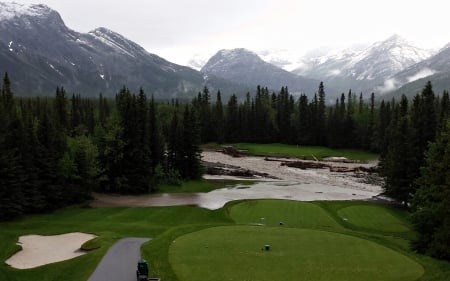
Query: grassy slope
<point x="290" y="213"/>
<point x="110" y="224"/>
<point x="296" y="254"/>
<point x="363" y="216"/>
<point x="305" y="152"/>
<point x="166" y="224"/>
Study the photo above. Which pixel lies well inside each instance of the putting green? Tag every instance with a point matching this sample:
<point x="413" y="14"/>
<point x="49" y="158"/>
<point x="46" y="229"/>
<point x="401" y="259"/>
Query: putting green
<point x="235" y="253"/>
<point x="289" y="213"/>
<point x="372" y="217"/>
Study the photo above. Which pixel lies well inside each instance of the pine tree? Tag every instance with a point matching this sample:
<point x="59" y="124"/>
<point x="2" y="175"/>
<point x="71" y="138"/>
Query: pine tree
<point x="431" y="214"/>
<point x="174" y="146"/>
<point x="11" y="173"/>
<point x="156" y="139"/>
<point x="303" y="121"/>
<point x="7" y="100"/>
<point x="232" y="125"/>
<point x="283" y="116"/>
<point x="191" y="153"/>
<point x="61" y="111"/>
<point x="50" y="152"/>
<point x="397" y="167"/>
<point x="219" y="127"/>
<point x="111" y="154"/>
<point x="321" y="117"/>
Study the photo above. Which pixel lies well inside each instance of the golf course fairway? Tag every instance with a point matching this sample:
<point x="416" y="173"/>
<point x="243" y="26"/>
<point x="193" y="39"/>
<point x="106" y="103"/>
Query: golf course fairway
<point x="271" y="212"/>
<point x="372" y="217"/>
<point x="237" y="253"/>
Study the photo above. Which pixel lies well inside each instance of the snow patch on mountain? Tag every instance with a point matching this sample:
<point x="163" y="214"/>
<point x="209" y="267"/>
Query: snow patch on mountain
<point x="283" y="58"/>
<point x="368" y="69"/>
<point x="11" y="10"/>
<point x="107" y="37"/>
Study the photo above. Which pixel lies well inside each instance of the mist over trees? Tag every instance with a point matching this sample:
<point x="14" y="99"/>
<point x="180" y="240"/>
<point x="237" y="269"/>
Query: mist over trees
<point x="55" y="151"/>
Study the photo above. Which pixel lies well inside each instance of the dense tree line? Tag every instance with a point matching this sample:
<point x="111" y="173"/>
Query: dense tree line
<point x="55" y="151"/>
<point x="280" y="117"/>
<point x="400" y="130"/>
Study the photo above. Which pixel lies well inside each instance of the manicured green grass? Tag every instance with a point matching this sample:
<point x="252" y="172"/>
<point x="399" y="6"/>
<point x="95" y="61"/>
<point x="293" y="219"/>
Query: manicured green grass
<point x="304" y="152"/>
<point x="288" y="213"/>
<point x="235" y="253"/>
<point x="373" y="217"/>
<point x="110" y="224"/>
<point x="313" y="237"/>
<point x="201" y="186"/>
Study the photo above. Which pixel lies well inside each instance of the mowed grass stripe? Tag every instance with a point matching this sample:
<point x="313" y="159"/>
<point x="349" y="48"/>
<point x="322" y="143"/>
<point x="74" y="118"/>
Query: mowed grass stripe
<point x="235" y="253"/>
<point x="372" y="217"/>
<point x="289" y="213"/>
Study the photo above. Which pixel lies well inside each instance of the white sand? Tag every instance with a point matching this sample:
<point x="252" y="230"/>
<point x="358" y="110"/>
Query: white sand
<point x="40" y="250"/>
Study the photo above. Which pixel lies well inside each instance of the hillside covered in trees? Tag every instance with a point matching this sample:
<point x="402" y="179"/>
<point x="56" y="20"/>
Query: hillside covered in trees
<point x="55" y="151"/>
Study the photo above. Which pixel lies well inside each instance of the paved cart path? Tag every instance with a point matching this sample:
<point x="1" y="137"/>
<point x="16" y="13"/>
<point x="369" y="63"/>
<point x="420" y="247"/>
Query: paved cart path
<point x="120" y="262"/>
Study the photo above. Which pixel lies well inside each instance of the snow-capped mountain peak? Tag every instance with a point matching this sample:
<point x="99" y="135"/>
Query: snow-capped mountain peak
<point x="11" y="10"/>
<point x="363" y="69"/>
<point x="226" y="57"/>
<point x="39" y="50"/>
<point x="247" y="68"/>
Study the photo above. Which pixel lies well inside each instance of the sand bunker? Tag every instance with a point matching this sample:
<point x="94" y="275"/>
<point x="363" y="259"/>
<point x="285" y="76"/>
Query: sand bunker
<point x="40" y="250"/>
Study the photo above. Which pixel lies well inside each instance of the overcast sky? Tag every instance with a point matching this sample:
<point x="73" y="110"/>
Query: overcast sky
<point x="179" y="29"/>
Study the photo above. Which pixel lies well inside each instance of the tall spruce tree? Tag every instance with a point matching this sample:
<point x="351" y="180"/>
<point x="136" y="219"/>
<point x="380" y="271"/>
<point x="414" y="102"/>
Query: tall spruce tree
<point x="431" y="212"/>
<point x="232" y="120"/>
<point x="397" y="168"/>
<point x="61" y="111"/>
<point x="219" y="119"/>
<point x="321" y="117"/>
<point x="190" y="167"/>
<point x="156" y="141"/>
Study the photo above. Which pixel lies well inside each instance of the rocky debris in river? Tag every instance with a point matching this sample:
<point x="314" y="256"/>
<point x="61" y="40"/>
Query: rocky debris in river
<point x="230" y="170"/>
<point x="305" y="165"/>
<point x="230" y="150"/>
<point x="320" y="165"/>
<point x="339" y="160"/>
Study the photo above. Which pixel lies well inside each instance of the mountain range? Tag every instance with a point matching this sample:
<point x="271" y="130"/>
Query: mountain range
<point x="40" y="52"/>
<point x="244" y="66"/>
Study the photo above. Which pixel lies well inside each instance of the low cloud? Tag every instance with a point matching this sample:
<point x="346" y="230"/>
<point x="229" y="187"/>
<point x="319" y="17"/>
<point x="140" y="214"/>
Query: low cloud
<point x="389" y="85"/>
<point x="421" y="74"/>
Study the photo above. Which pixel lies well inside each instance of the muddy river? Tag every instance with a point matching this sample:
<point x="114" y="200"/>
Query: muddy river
<point x="294" y="184"/>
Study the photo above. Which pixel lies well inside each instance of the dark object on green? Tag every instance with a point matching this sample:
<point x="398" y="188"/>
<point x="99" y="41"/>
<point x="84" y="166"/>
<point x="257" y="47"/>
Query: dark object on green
<point x="267" y="247"/>
<point x="142" y="270"/>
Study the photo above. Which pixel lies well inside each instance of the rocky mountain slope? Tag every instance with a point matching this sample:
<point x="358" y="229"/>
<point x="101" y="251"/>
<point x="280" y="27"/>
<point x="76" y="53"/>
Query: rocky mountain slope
<point x="412" y="80"/>
<point x="245" y="67"/>
<point x="40" y="53"/>
<point x="367" y="70"/>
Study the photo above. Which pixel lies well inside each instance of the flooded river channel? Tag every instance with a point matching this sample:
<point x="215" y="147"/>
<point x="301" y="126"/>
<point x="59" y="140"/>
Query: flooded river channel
<point x="294" y="184"/>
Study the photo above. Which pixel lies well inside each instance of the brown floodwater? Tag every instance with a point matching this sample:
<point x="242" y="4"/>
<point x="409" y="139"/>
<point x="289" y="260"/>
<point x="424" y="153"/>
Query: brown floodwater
<point x="218" y="198"/>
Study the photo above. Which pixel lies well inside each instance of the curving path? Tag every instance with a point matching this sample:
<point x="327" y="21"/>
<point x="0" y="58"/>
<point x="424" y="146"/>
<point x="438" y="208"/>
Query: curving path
<point x="119" y="263"/>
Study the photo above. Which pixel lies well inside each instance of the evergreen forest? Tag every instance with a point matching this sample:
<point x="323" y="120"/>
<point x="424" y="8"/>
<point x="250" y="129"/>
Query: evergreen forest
<point x="55" y="151"/>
